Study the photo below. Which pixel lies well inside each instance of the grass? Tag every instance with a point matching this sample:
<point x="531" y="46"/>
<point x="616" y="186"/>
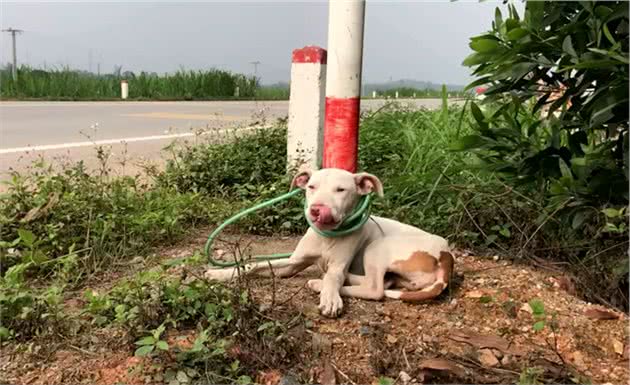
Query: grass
<point x="66" y="84"/>
<point x="59" y="229"/>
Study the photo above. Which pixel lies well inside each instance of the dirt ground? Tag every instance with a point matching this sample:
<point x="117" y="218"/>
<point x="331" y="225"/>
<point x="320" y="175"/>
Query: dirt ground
<point x="481" y="331"/>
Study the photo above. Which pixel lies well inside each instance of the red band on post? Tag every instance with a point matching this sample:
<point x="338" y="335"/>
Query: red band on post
<point x="310" y="54"/>
<point x="341" y="133"/>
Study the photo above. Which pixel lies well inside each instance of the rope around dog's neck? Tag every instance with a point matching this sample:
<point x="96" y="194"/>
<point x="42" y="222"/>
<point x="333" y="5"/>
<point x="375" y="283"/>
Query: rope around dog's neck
<point x="350" y="224"/>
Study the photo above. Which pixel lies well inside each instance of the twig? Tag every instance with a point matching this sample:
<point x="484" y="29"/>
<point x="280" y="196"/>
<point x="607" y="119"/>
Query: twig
<point x="543" y="223"/>
<point x="293" y="295"/>
<point x="343" y="374"/>
<point x="83" y="350"/>
<point x="273" y="285"/>
<point x="479" y="228"/>
<point x="405" y="357"/>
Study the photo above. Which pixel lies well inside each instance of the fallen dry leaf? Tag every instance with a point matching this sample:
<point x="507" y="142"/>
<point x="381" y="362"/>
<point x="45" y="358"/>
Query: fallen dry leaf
<point x="617" y="346"/>
<point x="327" y="376"/>
<point x="600" y="314"/>
<point x="487" y="358"/>
<point x="526" y="308"/>
<point x="271" y="377"/>
<point x="565" y="283"/>
<point x="474" y="294"/>
<point x="486" y="341"/>
<point x="391" y="339"/>
<point x="578" y="359"/>
<point x="442" y="364"/>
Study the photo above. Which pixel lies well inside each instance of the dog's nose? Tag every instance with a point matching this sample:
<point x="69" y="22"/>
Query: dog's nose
<point x="315" y="211"/>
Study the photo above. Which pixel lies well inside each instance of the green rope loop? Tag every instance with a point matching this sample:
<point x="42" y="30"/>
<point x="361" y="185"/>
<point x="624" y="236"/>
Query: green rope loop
<point x="353" y="222"/>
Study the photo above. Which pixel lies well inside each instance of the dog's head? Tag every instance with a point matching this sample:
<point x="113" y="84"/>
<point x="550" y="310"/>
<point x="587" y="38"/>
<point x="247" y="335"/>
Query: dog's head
<point x="332" y="193"/>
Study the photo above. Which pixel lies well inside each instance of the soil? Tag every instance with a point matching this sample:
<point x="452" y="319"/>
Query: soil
<point x="480" y="331"/>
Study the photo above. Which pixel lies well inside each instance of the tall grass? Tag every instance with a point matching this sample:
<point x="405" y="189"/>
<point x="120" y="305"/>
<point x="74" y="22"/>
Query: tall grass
<point x="408" y="92"/>
<point x="66" y="84"/>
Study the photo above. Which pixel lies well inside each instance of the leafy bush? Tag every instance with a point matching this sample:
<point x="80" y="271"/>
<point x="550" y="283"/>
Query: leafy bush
<point x="579" y="49"/>
<point x="572" y="59"/>
<point x="101" y="218"/>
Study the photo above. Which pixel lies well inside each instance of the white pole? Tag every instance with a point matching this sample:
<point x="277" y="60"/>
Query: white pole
<point x="305" y="134"/>
<point x="343" y="83"/>
<point x="396" y="94"/>
<point x="124" y="89"/>
<point x="373" y="94"/>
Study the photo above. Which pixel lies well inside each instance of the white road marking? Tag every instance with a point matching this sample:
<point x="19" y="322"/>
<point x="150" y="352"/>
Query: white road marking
<point x="110" y="141"/>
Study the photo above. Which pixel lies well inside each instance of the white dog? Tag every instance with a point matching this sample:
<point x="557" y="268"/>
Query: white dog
<point x="420" y="262"/>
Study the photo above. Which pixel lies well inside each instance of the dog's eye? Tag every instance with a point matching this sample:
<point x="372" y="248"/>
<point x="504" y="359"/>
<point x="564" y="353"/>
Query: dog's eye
<point x="310" y="187"/>
<point x="340" y="189"/>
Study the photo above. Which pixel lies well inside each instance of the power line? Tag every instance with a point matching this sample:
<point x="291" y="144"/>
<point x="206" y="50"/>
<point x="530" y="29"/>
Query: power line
<point x="13" y="32"/>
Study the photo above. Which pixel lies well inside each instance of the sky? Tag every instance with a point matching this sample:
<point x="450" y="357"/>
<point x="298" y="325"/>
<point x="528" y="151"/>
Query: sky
<point x="419" y="40"/>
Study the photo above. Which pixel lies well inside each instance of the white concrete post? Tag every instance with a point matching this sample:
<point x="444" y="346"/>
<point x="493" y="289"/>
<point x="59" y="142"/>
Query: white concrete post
<point x="124" y="89"/>
<point x="373" y="94"/>
<point x="396" y="94"/>
<point x="237" y="92"/>
<point x="343" y="83"/>
<point x="305" y="133"/>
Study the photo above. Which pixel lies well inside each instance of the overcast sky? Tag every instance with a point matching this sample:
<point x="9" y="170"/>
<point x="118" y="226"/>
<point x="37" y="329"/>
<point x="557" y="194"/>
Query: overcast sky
<point x="421" y="40"/>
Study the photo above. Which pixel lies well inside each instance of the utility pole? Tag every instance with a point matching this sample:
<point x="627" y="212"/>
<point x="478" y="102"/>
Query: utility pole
<point x="255" y="63"/>
<point x="13" y="32"/>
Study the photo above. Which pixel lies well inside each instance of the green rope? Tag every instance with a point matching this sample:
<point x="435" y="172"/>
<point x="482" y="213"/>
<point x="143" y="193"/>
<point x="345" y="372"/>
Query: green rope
<point x="353" y="222"/>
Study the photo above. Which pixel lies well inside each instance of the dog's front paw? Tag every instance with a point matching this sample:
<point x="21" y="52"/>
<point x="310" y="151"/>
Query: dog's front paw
<point x="315" y="285"/>
<point x="330" y="303"/>
<point x="219" y="274"/>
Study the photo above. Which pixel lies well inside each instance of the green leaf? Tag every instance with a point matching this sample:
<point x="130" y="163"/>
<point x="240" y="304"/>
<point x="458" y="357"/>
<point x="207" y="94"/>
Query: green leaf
<point x="485" y="45"/>
<point x="468" y="142"/>
<point x="4" y="333"/>
<point x="517" y="33"/>
<point x="143" y="350"/>
<point x="265" y="326"/>
<point x="538" y="326"/>
<point x="27" y="237"/>
<point x="567" y="46"/>
<point x="146" y="341"/>
<point x="478" y="115"/>
<point x="612" y="213"/>
<point x="385" y="381"/>
<point x="162" y="345"/>
<point x="498" y="19"/>
<point x="505" y="232"/>
<point x="485" y="299"/>
<point x="537" y="306"/>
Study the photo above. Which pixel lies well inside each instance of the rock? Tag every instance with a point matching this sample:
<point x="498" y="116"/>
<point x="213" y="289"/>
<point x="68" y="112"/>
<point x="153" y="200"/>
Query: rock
<point x="391" y="339"/>
<point x="495" y="258"/>
<point x="404" y="377"/>
<point x="578" y="359"/>
<point x="617" y="346"/>
<point x="487" y="359"/>
<point x="474" y="294"/>
<point x="320" y="344"/>
<point x="526" y="308"/>
<point x="288" y="380"/>
<point x="506" y="360"/>
<point x="497" y="353"/>
<point x="364" y="331"/>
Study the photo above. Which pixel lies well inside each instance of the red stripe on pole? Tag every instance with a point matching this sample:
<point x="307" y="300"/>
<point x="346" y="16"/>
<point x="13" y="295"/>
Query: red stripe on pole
<point x="341" y="133"/>
<point x="310" y="54"/>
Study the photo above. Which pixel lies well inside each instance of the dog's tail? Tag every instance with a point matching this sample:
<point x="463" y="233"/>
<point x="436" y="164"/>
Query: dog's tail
<point x="443" y="277"/>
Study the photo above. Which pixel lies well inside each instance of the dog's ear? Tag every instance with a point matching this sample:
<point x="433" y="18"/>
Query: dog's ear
<point x="367" y="183"/>
<point x="301" y="179"/>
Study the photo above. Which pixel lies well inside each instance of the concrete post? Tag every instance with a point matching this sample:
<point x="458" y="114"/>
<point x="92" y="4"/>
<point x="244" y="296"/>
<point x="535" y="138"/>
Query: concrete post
<point x="306" y="108"/>
<point x="124" y="89"/>
<point x="343" y="83"/>
<point x="396" y="94"/>
<point x="373" y="94"/>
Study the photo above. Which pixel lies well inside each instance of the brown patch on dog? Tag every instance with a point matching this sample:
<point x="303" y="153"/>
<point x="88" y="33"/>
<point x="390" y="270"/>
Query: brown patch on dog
<point x="446" y="265"/>
<point x="418" y="261"/>
<point x="424" y="294"/>
<point x="445" y="270"/>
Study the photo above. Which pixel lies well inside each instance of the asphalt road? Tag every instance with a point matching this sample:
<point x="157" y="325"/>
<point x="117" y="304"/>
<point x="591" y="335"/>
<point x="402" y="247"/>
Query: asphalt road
<point x="70" y="130"/>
